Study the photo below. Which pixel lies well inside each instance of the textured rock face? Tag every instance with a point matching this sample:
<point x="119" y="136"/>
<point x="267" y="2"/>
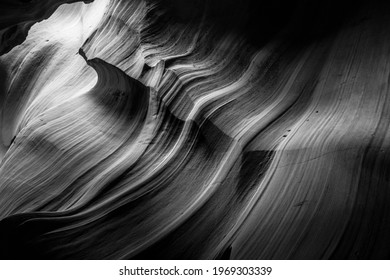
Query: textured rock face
<point x="17" y="17"/>
<point x="202" y="130"/>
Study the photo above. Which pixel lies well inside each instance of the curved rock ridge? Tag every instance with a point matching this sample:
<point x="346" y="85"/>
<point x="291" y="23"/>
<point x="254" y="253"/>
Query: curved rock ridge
<point x="129" y="132"/>
<point x="17" y="17"/>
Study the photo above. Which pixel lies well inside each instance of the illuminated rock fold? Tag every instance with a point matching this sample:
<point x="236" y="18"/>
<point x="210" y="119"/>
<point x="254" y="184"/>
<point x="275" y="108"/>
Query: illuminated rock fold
<point x="129" y="132"/>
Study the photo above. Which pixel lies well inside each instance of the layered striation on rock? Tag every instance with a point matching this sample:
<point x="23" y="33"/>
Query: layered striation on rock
<point x="17" y="17"/>
<point x="162" y="130"/>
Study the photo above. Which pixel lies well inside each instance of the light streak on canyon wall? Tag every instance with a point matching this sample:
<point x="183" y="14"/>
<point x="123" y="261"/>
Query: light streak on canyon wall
<point x="194" y="130"/>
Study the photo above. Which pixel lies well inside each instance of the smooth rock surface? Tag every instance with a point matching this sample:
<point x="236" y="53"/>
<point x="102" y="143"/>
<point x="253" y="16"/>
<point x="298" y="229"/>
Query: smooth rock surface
<point x="203" y="130"/>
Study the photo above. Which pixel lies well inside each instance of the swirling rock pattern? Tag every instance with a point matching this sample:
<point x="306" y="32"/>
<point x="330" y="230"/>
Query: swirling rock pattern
<point x="165" y="130"/>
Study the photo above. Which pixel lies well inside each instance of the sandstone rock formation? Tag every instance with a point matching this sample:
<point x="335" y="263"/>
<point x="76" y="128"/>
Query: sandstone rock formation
<point x="194" y="130"/>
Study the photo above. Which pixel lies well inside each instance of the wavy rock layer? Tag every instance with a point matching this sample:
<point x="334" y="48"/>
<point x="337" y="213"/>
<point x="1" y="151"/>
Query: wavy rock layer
<point x="133" y="130"/>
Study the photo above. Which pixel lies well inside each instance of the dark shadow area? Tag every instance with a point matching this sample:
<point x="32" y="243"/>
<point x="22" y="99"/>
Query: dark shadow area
<point x="259" y="21"/>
